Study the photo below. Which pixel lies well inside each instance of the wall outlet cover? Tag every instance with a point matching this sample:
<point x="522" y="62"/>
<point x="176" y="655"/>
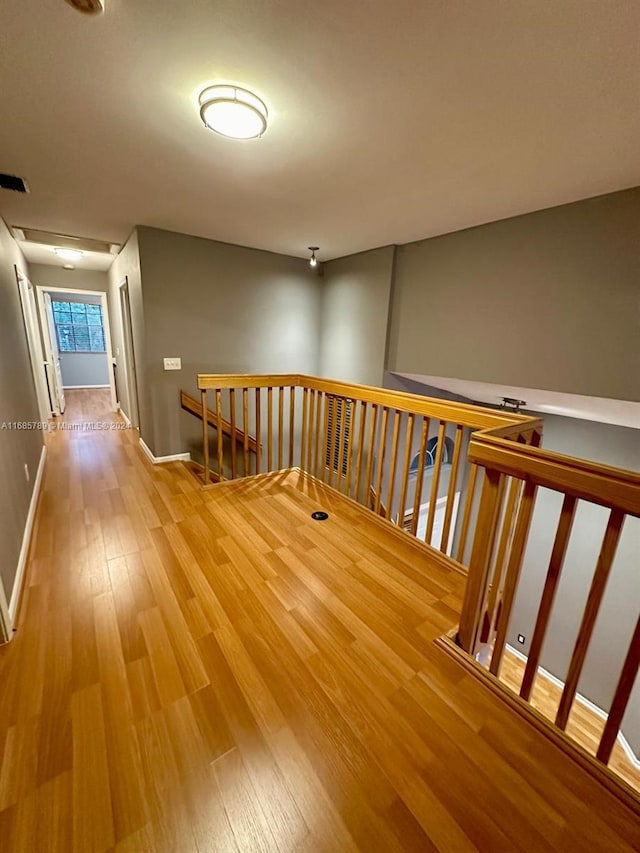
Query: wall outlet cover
<point x="521" y="639"/>
<point x="173" y="364"/>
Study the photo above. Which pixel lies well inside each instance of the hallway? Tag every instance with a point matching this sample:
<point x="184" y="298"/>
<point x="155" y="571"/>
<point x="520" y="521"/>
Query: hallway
<point x="213" y="671"/>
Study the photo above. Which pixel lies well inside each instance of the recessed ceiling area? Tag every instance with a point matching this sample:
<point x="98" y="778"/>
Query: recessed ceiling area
<point x="604" y="410"/>
<point x="388" y="122"/>
<point x="55" y="249"/>
<point x="37" y="254"/>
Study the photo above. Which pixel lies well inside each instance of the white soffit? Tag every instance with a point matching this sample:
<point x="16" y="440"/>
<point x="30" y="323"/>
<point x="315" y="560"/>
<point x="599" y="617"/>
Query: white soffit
<point x="601" y="409"/>
<point x="389" y="122"/>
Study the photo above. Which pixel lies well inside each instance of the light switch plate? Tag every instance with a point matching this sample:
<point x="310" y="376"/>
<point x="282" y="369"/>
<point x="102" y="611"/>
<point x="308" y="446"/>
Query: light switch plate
<point x="173" y="364"/>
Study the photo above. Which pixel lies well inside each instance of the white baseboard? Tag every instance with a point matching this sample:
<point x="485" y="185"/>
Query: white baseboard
<point x="126" y="419"/>
<point x="158" y="460"/>
<point x="26" y="540"/>
<point x="624" y="743"/>
<point x="82" y="387"/>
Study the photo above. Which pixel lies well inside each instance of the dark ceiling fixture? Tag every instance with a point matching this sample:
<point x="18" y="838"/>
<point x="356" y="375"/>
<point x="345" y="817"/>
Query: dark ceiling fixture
<point x="87" y="7"/>
<point x="13" y="182"/>
<point x="313" y="261"/>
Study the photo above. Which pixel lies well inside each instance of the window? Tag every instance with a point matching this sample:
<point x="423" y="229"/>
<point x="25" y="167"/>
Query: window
<point x="431" y="453"/>
<point x="78" y="326"/>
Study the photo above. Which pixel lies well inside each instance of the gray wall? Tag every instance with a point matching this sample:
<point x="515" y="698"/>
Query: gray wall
<point x="611" y="445"/>
<point x="548" y="300"/>
<point x="84" y="369"/>
<point x="17" y="403"/>
<point x="353" y="320"/>
<point x="220" y="308"/>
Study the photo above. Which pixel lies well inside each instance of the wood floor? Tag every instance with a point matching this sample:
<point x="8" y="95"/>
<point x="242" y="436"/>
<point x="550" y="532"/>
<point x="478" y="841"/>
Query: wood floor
<point x="215" y="671"/>
<point x="584" y="725"/>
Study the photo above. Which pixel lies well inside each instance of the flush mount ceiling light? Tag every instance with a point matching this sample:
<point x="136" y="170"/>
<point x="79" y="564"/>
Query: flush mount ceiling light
<point x="313" y="261"/>
<point x="233" y="112"/>
<point x="68" y="254"/>
<point x="89" y="7"/>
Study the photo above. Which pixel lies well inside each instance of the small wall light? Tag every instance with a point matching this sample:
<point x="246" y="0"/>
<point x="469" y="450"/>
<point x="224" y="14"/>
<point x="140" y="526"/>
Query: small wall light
<point x="313" y="261"/>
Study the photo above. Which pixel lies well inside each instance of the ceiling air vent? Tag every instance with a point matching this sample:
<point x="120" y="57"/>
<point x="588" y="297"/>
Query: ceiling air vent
<point x="13" y="182"/>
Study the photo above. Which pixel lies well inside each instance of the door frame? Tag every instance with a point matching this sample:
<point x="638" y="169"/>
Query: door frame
<point x="128" y="353"/>
<point x="31" y="318"/>
<point x="41" y="289"/>
<point x="52" y="365"/>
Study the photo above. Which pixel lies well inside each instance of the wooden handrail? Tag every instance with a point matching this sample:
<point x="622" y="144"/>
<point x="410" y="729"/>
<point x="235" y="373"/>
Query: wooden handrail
<point x="191" y="405"/>
<point x="464" y="414"/>
<point x="600" y="484"/>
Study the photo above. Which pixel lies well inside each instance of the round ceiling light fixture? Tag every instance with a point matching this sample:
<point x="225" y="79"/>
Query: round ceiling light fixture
<point x="233" y="112"/>
<point x="68" y="254"/>
<point x="89" y="7"/>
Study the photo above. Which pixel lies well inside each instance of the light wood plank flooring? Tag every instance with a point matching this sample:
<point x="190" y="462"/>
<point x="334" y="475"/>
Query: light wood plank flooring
<point x="584" y="726"/>
<point x="214" y="671"/>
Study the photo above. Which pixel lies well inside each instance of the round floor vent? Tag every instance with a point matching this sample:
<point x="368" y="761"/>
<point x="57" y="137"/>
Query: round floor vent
<point x="88" y="7"/>
<point x="319" y="515"/>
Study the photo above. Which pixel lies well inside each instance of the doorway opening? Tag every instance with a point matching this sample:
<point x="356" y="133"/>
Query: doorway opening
<point x="34" y="344"/>
<point x="128" y="399"/>
<point x="77" y="343"/>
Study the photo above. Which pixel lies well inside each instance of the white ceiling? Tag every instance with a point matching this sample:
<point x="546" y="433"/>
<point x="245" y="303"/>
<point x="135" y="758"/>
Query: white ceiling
<point x="389" y="122"/>
<point x="602" y="409"/>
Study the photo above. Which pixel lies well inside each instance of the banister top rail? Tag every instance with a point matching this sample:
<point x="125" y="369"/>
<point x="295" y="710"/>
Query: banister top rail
<point x="592" y="481"/>
<point x="208" y="381"/>
<point x="464" y="414"/>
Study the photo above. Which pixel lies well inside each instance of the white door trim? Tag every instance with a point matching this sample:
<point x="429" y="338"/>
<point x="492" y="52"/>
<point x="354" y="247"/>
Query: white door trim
<point x="104" y="303"/>
<point x="30" y="315"/>
<point x="52" y="364"/>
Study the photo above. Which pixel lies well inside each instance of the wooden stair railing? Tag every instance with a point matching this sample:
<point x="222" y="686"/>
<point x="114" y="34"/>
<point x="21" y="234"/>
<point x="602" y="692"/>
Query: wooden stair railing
<point x="494" y="573"/>
<point x="191" y="405"/>
<point x="369" y="443"/>
<point x="373" y="445"/>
